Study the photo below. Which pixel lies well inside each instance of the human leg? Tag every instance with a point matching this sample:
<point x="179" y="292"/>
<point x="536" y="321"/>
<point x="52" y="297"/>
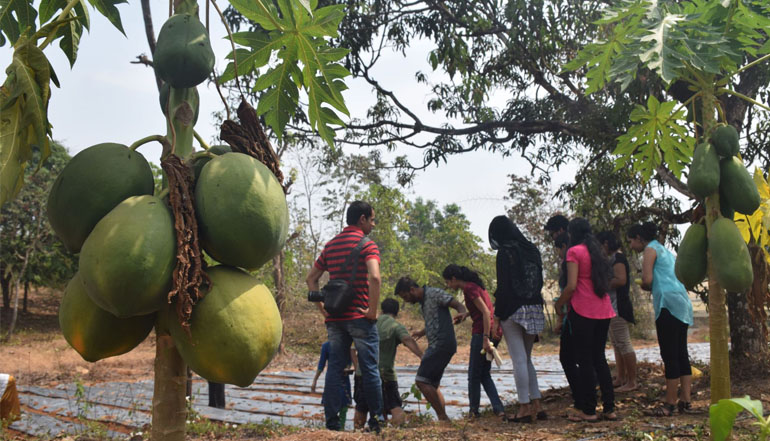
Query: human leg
<point x="367" y="343"/>
<point x="343" y="415"/>
<point x="397" y="416"/>
<point x="668" y="341"/>
<point x="568" y="360"/>
<point x="361" y="408"/>
<point x="583" y="343"/>
<point x="474" y="374"/>
<point x="435" y="398"/>
<point x="603" y="374"/>
<point x="339" y="346"/>
<point x="428" y="378"/>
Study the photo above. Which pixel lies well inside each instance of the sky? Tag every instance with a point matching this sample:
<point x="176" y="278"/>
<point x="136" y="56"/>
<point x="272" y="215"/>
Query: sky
<point x="105" y="98"/>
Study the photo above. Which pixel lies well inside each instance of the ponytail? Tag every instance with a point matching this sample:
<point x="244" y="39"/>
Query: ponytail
<point x="462" y="273"/>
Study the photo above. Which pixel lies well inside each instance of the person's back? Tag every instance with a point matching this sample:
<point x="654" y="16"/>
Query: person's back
<point x="391" y="333"/>
<point x="667" y="291"/>
<point x="585" y="301"/>
<point x="438" y="320"/>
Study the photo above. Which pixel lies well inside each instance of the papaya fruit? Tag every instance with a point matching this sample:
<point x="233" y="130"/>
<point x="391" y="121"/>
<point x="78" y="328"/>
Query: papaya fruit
<point x="725" y="209"/>
<point x="183" y="56"/>
<point x="235" y="330"/>
<point x="199" y="162"/>
<point x="691" y="264"/>
<point x="703" y="179"/>
<point x="730" y="256"/>
<point x="737" y="187"/>
<point x="165" y="92"/>
<point x="127" y="260"/>
<point x="91" y="184"/>
<point x="95" y="333"/>
<point x="241" y="209"/>
<point x="725" y="141"/>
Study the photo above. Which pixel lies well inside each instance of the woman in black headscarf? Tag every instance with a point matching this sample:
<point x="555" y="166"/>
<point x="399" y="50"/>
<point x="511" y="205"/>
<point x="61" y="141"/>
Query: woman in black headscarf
<point x="519" y="306"/>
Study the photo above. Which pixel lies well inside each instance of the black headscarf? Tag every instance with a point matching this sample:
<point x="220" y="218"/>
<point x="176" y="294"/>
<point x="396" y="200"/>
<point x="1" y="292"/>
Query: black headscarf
<point x="503" y="233"/>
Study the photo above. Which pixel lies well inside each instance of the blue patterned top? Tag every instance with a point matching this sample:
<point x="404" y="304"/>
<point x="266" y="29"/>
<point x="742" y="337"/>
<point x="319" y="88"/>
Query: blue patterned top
<point x="667" y="291"/>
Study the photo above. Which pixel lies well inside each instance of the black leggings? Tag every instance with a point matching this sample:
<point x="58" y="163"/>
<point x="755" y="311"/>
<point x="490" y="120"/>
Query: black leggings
<point x="672" y="339"/>
<point x="589" y="339"/>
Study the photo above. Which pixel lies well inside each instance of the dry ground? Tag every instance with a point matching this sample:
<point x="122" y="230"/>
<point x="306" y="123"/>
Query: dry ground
<point x="37" y="354"/>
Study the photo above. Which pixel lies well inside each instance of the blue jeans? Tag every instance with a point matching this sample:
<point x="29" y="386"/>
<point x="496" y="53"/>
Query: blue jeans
<point x="363" y="334"/>
<point x="478" y="375"/>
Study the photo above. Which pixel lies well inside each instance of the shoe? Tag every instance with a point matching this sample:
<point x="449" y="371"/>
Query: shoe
<point x="662" y="410"/>
<point x="542" y="415"/>
<point x="522" y="419"/>
<point x="685" y="407"/>
<point x="375" y="425"/>
<point x="610" y="416"/>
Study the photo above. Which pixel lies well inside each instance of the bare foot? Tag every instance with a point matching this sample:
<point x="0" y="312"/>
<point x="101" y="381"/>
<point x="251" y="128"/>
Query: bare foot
<point x="628" y="387"/>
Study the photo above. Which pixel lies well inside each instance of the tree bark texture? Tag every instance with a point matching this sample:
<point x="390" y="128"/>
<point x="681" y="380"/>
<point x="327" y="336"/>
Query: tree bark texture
<point x="279" y="279"/>
<point x="169" y="410"/>
<point x="748" y="318"/>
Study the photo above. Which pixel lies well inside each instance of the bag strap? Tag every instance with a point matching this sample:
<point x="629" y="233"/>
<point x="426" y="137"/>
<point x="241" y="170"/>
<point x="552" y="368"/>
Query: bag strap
<point x="353" y="258"/>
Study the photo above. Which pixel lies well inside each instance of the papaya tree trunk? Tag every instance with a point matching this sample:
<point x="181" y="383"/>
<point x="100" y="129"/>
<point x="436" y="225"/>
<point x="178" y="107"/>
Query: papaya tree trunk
<point x="718" y="325"/>
<point x="279" y="280"/>
<point x="169" y="412"/>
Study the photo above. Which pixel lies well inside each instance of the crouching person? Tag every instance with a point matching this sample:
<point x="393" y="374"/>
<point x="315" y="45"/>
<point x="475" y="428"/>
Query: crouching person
<point x="439" y="328"/>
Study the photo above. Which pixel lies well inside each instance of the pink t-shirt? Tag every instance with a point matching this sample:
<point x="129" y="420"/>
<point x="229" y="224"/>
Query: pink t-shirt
<point x="584" y="301"/>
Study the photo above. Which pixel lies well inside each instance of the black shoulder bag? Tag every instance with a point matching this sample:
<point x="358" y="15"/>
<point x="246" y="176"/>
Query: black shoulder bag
<point x="339" y="293"/>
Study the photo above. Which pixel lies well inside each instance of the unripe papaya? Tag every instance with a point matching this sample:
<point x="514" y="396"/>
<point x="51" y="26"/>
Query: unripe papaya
<point x="199" y="162"/>
<point x="737" y="187"/>
<point x="183" y="56"/>
<point x="704" y="171"/>
<point x="235" y="330"/>
<point x="127" y="260"/>
<point x="691" y="263"/>
<point x="95" y="333"/>
<point x="91" y="184"/>
<point x="724" y="208"/>
<point x="725" y="140"/>
<point x="241" y="210"/>
<point x="730" y="256"/>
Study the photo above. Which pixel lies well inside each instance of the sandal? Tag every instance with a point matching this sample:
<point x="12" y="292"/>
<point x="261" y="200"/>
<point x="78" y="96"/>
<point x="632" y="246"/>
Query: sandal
<point x="580" y="417"/>
<point x="685" y="407"/>
<point x="610" y="416"/>
<point x="663" y="410"/>
<point x="542" y="415"/>
<point x="522" y="419"/>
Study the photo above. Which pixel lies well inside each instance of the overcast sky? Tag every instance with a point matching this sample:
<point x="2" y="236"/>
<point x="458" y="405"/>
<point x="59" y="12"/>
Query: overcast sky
<point x="104" y="98"/>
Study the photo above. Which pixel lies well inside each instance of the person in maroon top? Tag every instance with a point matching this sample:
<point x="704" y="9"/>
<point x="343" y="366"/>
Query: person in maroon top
<point x="481" y="311"/>
<point x="357" y="324"/>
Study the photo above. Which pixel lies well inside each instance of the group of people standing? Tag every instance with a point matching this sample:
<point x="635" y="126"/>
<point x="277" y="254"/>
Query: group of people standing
<point x="594" y="302"/>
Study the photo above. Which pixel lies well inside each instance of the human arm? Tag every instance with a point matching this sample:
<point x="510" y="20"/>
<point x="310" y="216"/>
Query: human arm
<point x="569" y="289"/>
<point x="315" y="380"/>
<point x="312" y="280"/>
<point x="417" y="334"/>
<point x="411" y="344"/>
<point x="461" y="310"/>
<point x="618" y="276"/>
<point x="354" y="357"/>
<point x="648" y="263"/>
<point x="375" y="282"/>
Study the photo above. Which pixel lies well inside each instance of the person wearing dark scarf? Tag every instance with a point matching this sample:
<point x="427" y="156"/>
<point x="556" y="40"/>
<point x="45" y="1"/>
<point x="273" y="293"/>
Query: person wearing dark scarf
<point x="519" y="307"/>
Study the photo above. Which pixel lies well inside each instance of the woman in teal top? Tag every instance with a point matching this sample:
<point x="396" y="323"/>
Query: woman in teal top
<point x="673" y="315"/>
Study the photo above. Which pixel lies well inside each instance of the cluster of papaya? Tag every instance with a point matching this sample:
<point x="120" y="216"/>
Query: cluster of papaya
<point x="716" y="169"/>
<point x="102" y="206"/>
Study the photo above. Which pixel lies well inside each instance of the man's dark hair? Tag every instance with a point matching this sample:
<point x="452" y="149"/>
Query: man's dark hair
<point x="390" y="306"/>
<point x="404" y="284"/>
<point x="556" y="223"/>
<point x="356" y="210"/>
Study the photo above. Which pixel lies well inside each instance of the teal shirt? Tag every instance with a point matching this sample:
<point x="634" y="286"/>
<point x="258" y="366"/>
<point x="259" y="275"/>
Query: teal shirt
<point x="667" y="291"/>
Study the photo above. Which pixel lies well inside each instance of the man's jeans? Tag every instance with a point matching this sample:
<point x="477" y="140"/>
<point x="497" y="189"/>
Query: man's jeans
<point x="364" y="335"/>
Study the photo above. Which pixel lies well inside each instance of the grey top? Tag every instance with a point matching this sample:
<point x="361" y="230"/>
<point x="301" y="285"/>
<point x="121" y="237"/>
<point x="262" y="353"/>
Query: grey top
<point x="438" y="321"/>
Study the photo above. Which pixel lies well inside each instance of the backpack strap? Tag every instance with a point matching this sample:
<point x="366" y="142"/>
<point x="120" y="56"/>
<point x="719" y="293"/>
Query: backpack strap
<point x="353" y="258"/>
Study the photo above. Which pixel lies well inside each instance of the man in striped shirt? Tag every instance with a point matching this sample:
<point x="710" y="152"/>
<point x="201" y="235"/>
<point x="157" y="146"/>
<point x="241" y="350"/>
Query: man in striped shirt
<point x="356" y="325"/>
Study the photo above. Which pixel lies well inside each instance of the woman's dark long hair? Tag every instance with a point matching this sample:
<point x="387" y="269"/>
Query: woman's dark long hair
<point x="580" y="233"/>
<point x="462" y="273"/>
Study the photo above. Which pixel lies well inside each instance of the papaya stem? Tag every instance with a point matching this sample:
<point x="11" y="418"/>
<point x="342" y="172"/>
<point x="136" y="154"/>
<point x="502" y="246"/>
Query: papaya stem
<point x="742" y="96"/>
<point x="61" y="18"/>
<point x="147" y="139"/>
<point x="200" y="140"/>
<point x="163" y="193"/>
<point x="752" y="64"/>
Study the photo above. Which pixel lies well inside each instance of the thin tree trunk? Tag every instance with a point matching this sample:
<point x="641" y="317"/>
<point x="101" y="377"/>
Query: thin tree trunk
<point x="718" y="331"/>
<point x="279" y="281"/>
<point x="30" y="249"/>
<point x="5" y="283"/>
<point x="169" y="410"/>
<point x="748" y="329"/>
<point x="26" y="296"/>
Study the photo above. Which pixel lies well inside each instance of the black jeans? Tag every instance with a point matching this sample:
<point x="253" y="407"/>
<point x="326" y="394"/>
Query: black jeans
<point x="568" y="359"/>
<point x="590" y="338"/>
<point x="672" y="339"/>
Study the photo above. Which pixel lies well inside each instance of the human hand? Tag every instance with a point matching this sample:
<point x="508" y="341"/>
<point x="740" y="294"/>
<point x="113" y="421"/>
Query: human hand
<point x="312" y="387"/>
<point x="557" y="326"/>
<point x="460" y="317"/>
<point x="369" y="313"/>
<point x="488" y="348"/>
<point x="417" y="334"/>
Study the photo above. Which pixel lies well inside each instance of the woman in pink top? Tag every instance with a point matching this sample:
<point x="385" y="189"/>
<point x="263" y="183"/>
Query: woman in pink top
<point x="589" y="317"/>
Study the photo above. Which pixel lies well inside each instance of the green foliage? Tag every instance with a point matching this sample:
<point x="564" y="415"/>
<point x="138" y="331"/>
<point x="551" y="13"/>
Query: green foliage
<point x="722" y="417"/>
<point x="50" y="264"/>
<point x="26" y="91"/>
<point x="699" y="42"/>
<point x="295" y="34"/>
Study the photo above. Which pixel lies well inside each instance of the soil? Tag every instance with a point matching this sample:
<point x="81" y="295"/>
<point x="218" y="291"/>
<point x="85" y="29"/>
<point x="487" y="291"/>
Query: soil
<point x="38" y="355"/>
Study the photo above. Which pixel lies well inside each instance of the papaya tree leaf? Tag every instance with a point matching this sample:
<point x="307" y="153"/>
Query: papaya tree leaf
<point x="70" y="38"/>
<point x="262" y="12"/>
<point x="14" y="152"/>
<point x="755" y="227"/>
<point x="107" y="8"/>
<point x="722" y="414"/>
<point x="49" y="8"/>
<point x="16" y="17"/>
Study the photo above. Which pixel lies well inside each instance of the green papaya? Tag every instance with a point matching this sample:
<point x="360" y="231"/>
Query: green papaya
<point x="703" y="179"/>
<point x="737" y="187"/>
<point x="730" y="256"/>
<point x="199" y="162"/>
<point x="183" y="56"/>
<point x="95" y="333"/>
<point x="235" y="330"/>
<point x="165" y="92"/>
<point x="724" y="208"/>
<point x="127" y="261"/>
<point x="691" y="263"/>
<point x="91" y="184"/>
<point x="241" y="209"/>
<point x="725" y="140"/>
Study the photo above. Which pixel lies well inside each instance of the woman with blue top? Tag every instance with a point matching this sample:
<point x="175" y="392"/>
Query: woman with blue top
<point x="673" y="315"/>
